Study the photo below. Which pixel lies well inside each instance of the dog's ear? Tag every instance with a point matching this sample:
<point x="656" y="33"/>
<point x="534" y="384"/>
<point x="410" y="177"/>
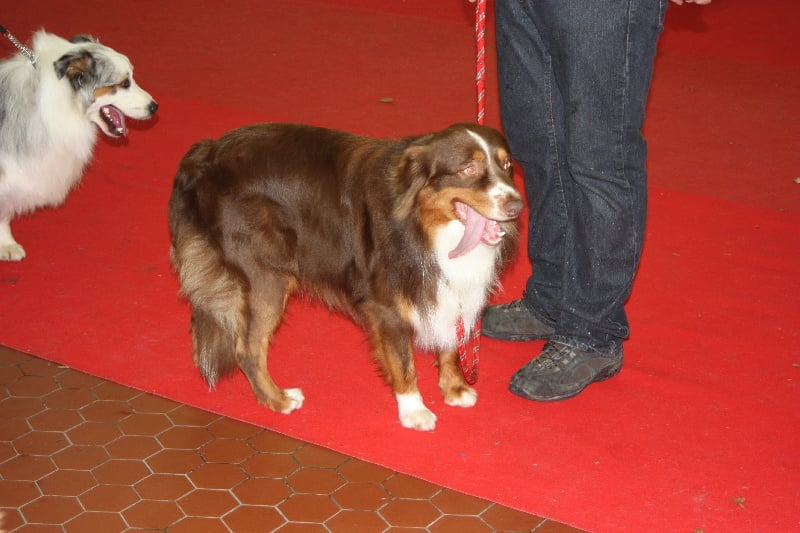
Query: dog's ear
<point x="83" y="38"/>
<point x="415" y="168"/>
<point x="78" y="67"/>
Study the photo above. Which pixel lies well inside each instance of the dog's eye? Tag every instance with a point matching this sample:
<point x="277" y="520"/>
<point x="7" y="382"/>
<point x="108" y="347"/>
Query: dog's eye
<point x="471" y="170"/>
<point x="125" y="84"/>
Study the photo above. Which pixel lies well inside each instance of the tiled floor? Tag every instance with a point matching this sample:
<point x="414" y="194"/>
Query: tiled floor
<point x="78" y="453"/>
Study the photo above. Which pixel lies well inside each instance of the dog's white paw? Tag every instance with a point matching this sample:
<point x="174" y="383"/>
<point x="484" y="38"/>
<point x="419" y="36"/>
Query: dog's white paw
<point x="296" y="400"/>
<point x="12" y="252"/>
<point x="414" y="414"/>
<point x="421" y="420"/>
<point x="467" y="398"/>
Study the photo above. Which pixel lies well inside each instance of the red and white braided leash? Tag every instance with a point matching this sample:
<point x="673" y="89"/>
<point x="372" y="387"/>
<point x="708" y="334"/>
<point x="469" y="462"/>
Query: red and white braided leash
<point x="469" y="344"/>
<point x="480" y="63"/>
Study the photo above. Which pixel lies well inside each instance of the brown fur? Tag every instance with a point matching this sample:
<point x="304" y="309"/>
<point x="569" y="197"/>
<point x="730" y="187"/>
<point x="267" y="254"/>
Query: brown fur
<point x="270" y="209"/>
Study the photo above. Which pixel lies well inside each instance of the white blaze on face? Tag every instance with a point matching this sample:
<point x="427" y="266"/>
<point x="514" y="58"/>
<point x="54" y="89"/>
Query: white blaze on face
<point x="482" y="143"/>
<point x="499" y="192"/>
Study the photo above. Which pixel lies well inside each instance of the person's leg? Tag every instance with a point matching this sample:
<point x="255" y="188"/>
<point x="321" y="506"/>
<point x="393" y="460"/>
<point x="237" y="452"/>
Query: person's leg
<point x="601" y="55"/>
<point x="602" y="61"/>
<point x="530" y="109"/>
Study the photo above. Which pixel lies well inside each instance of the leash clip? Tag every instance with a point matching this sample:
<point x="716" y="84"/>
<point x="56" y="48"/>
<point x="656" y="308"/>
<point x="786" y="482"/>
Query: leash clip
<point x="21" y="47"/>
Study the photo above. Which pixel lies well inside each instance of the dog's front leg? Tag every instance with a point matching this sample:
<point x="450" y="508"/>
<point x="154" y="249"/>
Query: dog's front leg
<point x="413" y="413"/>
<point x="392" y="347"/>
<point x="454" y="388"/>
<point x="10" y="250"/>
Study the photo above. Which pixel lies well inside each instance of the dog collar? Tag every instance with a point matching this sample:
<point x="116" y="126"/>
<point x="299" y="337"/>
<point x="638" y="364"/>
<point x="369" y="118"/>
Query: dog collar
<point x="21" y="47"/>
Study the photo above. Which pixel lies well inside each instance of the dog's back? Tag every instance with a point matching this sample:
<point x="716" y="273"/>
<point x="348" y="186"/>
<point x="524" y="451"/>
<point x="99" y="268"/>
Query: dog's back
<point x="312" y="203"/>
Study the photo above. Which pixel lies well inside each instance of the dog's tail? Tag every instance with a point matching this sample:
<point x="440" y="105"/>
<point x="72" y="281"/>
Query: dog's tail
<point x="216" y="294"/>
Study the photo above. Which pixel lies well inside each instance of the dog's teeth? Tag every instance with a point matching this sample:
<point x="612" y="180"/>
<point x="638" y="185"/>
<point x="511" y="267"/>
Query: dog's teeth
<point x="502" y="233"/>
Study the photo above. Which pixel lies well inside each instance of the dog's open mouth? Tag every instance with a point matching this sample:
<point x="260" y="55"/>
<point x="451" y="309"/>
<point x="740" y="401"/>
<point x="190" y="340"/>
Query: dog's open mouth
<point x="477" y="228"/>
<point x="114" y="119"/>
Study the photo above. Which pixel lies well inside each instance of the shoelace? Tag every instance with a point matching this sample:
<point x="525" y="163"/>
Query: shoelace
<point x="552" y="355"/>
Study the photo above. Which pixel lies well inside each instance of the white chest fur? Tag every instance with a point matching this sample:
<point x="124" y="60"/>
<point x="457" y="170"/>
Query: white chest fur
<point x="462" y="292"/>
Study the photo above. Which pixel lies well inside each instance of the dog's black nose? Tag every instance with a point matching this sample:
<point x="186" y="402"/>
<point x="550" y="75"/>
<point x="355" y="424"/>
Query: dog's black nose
<point x="513" y="208"/>
<point x="153" y="107"/>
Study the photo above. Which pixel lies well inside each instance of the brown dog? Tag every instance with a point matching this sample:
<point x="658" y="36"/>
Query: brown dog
<point x="405" y="236"/>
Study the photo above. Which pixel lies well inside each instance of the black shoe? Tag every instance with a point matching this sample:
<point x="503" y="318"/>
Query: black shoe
<point x="513" y="322"/>
<point x="561" y="371"/>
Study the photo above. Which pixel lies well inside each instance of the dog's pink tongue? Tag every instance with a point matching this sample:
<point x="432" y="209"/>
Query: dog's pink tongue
<point x="474" y="230"/>
<point x="114" y="119"/>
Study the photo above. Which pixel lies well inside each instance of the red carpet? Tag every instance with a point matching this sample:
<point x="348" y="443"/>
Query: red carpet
<point x="699" y="430"/>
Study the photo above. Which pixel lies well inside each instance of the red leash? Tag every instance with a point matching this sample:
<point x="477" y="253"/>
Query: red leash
<point x="468" y="348"/>
<point x="469" y="345"/>
<point x="480" y="63"/>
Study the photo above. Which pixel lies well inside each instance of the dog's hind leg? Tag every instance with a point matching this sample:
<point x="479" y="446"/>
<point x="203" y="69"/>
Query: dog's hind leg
<point x="10" y="250"/>
<point x="391" y="343"/>
<point x="266" y="302"/>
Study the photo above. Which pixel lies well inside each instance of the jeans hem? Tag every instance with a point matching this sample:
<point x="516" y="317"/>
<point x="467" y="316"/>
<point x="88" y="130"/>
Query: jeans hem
<point x="612" y="349"/>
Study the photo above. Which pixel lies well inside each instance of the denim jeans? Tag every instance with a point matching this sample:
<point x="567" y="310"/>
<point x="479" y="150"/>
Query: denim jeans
<point x="573" y="81"/>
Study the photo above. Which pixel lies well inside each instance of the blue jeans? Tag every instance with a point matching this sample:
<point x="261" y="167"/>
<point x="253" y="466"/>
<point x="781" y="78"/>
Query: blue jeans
<point x="573" y="80"/>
